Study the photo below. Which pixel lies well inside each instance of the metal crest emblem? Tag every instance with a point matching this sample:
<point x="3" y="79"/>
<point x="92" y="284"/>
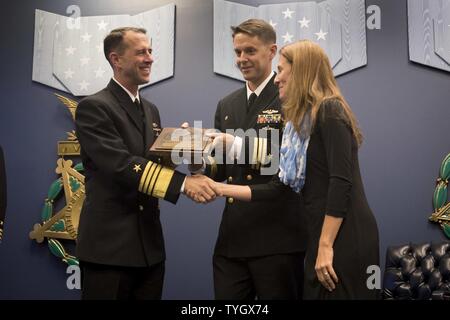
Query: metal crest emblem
<point x="63" y="224"/>
<point x="441" y="204"/>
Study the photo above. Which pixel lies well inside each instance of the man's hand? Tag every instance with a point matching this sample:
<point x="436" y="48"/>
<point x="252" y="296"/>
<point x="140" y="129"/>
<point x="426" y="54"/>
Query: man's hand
<point x="222" y="141"/>
<point x="200" y="188"/>
<point x="184" y="125"/>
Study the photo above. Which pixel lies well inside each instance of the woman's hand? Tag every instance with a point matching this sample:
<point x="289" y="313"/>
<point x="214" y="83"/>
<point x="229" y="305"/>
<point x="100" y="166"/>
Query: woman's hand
<point x="219" y="187"/>
<point x="324" y="267"/>
<point x="237" y="192"/>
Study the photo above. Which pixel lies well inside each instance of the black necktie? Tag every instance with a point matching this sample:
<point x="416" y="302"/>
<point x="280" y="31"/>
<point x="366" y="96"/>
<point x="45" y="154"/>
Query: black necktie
<point x="251" y="101"/>
<point x="141" y="112"/>
<point x="140" y="108"/>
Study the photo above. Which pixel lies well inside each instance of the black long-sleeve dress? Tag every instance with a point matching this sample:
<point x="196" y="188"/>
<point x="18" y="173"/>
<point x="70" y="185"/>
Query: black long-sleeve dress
<point x="333" y="186"/>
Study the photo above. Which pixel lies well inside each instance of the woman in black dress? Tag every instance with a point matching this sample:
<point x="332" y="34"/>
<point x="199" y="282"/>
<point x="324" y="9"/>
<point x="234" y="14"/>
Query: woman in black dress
<point x="319" y="158"/>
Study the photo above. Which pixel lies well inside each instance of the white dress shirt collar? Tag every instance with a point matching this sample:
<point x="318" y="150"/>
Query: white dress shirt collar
<point x="132" y="97"/>
<point x="260" y="87"/>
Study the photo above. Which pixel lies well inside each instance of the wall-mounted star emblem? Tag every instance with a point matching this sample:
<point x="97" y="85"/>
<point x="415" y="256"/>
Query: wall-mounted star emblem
<point x="304" y="23"/>
<point x="102" y="25"/>
<point x="70" y="50"/>
<point x="287" y="38"/>
<point x="288" y="13"/>
<point x="69" y="73"/>
<point x="86" y="37"/>
<point x="321" y="35"/>
<point x="84" y="85"/>
<point x="99" y="72"/>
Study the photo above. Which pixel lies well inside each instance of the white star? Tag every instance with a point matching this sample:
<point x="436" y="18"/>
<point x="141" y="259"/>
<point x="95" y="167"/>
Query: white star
<point x="83" y="85"/>
<point x="70" y="50"/>
<point x="99" y="72"/>
<point x="99" y="47"/>
<point x="321" y="35"/>
<point x="287" y="37"/>
<point x="288" y="13"/>
<point x="86" y="37"/>
<point x="102" y="25"/>
<point x="84" y="61"/>
<point x="273" y="24"/>
<point x="304" y="23"/>
<point x="68" y="73"/>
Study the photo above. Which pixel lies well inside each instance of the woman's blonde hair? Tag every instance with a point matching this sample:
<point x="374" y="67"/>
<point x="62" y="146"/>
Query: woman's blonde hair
<point x="312" y="82"/>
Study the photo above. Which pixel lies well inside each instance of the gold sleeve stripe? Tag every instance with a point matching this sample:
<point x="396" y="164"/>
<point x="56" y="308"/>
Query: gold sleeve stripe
<point x="154" y="176"/>
<point x="149" y="176"/>
<point x="213" y="165"/>
<point x="264" y="152"/>
<point x="254" y="159"/>
<point x="162" y="183"/>
<point x="144" y="175"/>
<point x="260" y="154"/>
<point x="260" y="150"/>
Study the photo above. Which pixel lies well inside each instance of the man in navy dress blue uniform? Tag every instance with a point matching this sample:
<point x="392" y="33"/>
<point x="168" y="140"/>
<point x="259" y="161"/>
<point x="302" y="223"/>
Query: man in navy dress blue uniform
<point x="260" y="247"/>
<point x="120" y="242"/>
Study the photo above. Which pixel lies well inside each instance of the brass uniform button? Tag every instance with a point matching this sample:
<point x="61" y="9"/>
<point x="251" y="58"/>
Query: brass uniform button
<point x="230" y="179"/>
<point x="249" y="177"/>
<point x="230" y="200"/>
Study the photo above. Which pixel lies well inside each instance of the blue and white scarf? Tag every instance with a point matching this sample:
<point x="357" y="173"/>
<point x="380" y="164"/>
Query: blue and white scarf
<point x="293" y="156"/>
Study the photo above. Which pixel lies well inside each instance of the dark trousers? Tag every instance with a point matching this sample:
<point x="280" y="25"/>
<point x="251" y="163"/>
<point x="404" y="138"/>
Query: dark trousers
<point x="274" y="277"/>
<point x="103" y="282"/>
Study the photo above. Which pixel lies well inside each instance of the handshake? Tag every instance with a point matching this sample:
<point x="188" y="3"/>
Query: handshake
<point x="202" y="189"/>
